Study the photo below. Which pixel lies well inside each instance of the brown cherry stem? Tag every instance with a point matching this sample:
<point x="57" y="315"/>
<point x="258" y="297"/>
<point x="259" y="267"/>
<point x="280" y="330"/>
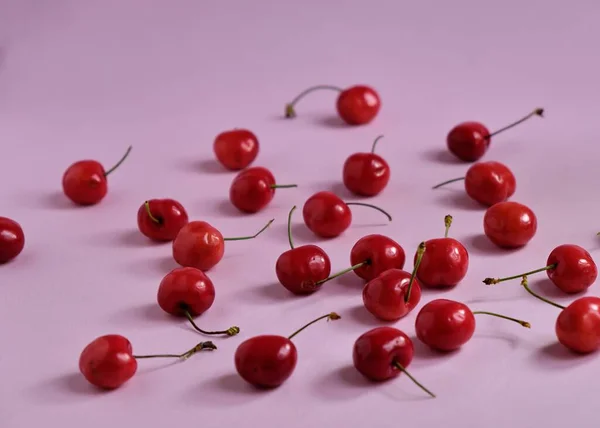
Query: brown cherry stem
<point x="290" y="227"/>
<point x="536" y="112"/>
<point x="492" y="281"/>
<point x="154" y="219"/>
<point x="525" y="285"/>
<point x="447" y="223"/>
<point x="342" y="272"/>
<point x="118" y="164"/>
<point x="282" y="186"/>
<point x="399" y="366"/>
<point x="332" y="316"/>
<point x="381" y="210"/>
<point x="375" y="143"/>
<point x="243" y="238"/>
<point x="231" y="331"/>
<point x="448" y="182"/>
<point x="420" y="252"/>
<point x="523" y="323"/>
<point x="289" y="108"/>
<point x="209" y="346"/>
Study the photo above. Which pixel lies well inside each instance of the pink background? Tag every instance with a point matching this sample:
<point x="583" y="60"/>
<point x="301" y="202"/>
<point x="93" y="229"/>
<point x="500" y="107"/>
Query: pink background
<point x="84" y="79"/>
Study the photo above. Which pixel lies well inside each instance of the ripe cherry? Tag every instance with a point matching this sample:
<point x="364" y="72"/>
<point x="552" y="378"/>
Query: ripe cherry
<point x="469" y="141"/>
<point x="394" y="293"/>
<point x="327" y="216"/>
<point x="445" y="263"/>
<point x="446" y="325"/>
<point x="487" y="182"/>
<point x="383" y="353"/>
<point x="108" y="361"/>
<point x="366" y="174"/>
<point x="236" y="149"/>
<point x="509" y="224"/>
<point x="267" y="361"/>
<point x="380" y="254"/>
<point x="12" y="239"/>
<point x="161" y="219"/>
<point x="357" y="105"/>
<point x="253" y="189"/>
<point x="570" y="267"/>
<point x="200" y="245"/>
<point x="84" y="182"/>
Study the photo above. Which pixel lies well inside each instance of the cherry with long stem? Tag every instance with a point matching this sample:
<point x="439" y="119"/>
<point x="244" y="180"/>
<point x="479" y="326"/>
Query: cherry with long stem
<point x="523" y="323"/>
<point x="118" y="164"/>
<point x="420" y="251"/>
<point x="202" y="346"/>
<point x="362" y="204"/>
<point x="399" y="366"/>
<point x="231" y="331"/>
<point x="537" y="112"/>
<point x="525" y="285"/>
<point x="492" y="281"/>
<point x="332" y="316"/>
<point x="154" y="219"/>
<point x="290" y="112"/>
<point x="243" y="238"/>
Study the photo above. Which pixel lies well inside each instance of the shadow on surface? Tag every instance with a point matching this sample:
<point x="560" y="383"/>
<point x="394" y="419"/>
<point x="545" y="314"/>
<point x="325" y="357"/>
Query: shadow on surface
<point x="141" y="314"/>
<point x="459" y="200"/>
<point x="225" y="390"/>
<point x="343" y="383"/>
<point x="480" y="244"/>
<point x="554" y="355"/>
<point x="65" y="389"/>
<point x="361" y="315"/>
<point x="330" y="121"/>
<point x="441" y="155"/>
<point x="202" y="166"/>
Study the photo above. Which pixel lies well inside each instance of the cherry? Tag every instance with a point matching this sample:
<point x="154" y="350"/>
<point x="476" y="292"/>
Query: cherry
<point x="252" y="189"/>
<point x="12" y="239"/>
<point x="445" y="263"/>
<point x="469" y="141"/>
<point x="487" y="182"/>
<point x="108" y="361"/>
<point x="84" y="182"/>
<point x="509" y="224"/>
<point x="200" y="245"/>
<point x="380" y="254"/>
<point x="236" y="149"/>
<point x="446" y="325"/>
<point x="366" y="174"/>
<point x="394" y="293"/>
<point x="569" y="267"/>
<point x="327" y="216"/>
<point x="383" y="353"/>
<point x="267" y="361"/>
<point x="357" y="105"/>
<point x="161" y="219"/>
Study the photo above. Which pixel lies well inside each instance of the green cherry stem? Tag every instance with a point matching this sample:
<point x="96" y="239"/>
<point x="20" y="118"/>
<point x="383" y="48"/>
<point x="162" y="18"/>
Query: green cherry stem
<point x="118" y="164"/>
<point x="342" y="272"/>
<point x="375" y="143"/>
<point x="282" y="186"/>
<point x="492" y="281"/>
<point x="399" y="366"/>
<point x="231" y="331"/>
<point x="330" y="317"/>
<point x="371" y="206"/>
<point x="447" y="223"/>
<point x="209" y="346"/>
<point x="420" y="252"/>
<point x="244" y="238"/>
<point x="523" y="323"/>
<point x="154" y="219"/>
<point x="448" y="182"/>
<point x="290" y="112"/>
<point x="525" y="285"/>
<point x="537" y="112"/>
<point x="290" y="227"/>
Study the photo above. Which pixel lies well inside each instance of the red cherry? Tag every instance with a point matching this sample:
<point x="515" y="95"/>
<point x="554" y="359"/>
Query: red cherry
<point x="383" y="353"/>
<point x="366" y="174"/>
<point x="236" y="149"/>
<point x="509" y="224"/>
<point x="469" y="141"/>
<point x="161" y="219"/>
<point x="108" y="361"/>
<point x="12" y="239"/>
<point x="327" y="216"/>
<point x="357" y="105"/>
<point x="200" y="245"/>
<point x="84" y="182"/>
<point x="487" y="182"/>
<point x="380" y="254"/>
<point x="267" y="361"/>
<point x="253" y="189"/>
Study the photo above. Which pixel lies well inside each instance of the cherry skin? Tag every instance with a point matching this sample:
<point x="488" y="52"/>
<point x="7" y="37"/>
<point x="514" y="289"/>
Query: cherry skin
<point x="12" y="239"/>
<point x="107" y="362"/>
<point x="578" y="325"/>
<point x="509" y="224"/>
<point x="380" y="252"/>
<point x="236" y="149"/>
<point x="253" y="189"/>
<point x="161" y="219"/>
<point x="366" y="174"/>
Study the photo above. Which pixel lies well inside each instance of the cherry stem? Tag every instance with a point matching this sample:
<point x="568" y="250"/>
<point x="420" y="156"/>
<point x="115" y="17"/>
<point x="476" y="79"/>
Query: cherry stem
<point x="330" y="316"/>
<point x="420" y="252"/>
<point x="448" y="223"/>
<point x="154" y="219"/>
<point x="199" y="347"/>
<point x="523" y="323"/>
<point x="525" y="285"/>
<point x="231" y="331"/>
<point x="371" y="206"/>
<point x="403" y="370"/>
<point x="290" y="227"/>
<point x="536" y="112"/>
<point x="492" y="281"/>
<point x="243" y="238"/>
<point x="282" y="186"/>
<point x="289" y="108"/>
<point x="340" y="273"/>
<point x="448" y="182"/>
<point x="118" y="164"/>
<point x="375" y="143"/>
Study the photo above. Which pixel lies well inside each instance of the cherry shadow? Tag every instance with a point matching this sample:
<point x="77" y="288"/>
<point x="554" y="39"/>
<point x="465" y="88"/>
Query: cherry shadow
<point x="348" y="285"/>
<point x="267" y="294"/>
<point x="459" y="200"/>
<point x="543" y="286"/>
<point x="331" y="121"/>
<point x="480" y="244"/>
<point x="65" y="389"/>
<point x="554" y="355"/>
<point x="202" y="166"/>
<point x="225" y="391"/>
<point x="225" y="208"/>
<point x="133" y="238"/>
<point x="441" y="155"/>
<point x="511" y="340"/>
<point x="426" y="356"/>
<point x="343" y="383"/>
<point x="147" y="315"/>
<point x="53" y="201"/>
<point x="361" y="315"/>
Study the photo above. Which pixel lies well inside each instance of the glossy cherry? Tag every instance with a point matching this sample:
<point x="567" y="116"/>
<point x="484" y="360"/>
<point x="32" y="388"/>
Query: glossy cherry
<point x="383" y="353"/>
<point x="253" y="189"/>
<point x="236" y="149"/>
<point x="379" y="253"/>
<point x="161" y="219"/>
<point x="357" y="105"/>
<point x="469" y="141"/>
<point x="84" y="182"/>
<point x="12" y="239"/>
<point x="327" y="216"/>
<point x="366" y="174"/>
<point x="108" y="361"/>
<point x="267" y="361"/>
<point x="189" y="292"/>
<point x="200" y="245"/>
<point x="487" y="182"/>
<point x="509" y="224"/>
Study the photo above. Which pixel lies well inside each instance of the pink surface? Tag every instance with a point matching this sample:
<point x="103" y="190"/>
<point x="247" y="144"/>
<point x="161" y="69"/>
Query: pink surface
<point x="86" y="79"/>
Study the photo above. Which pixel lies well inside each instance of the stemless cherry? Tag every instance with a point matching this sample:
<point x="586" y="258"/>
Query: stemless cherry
<point x="380" y="254"/>
<point x="487" y="182"/>
<point x="85" y="183"/>
<point x="236" y="149"/>
<point x="161" y="219"/>
<point x="267" y="361"/>
<point x="253" y="189"/>
<point x="383" y="353"/>
<point x="469" y="141"/>
<point x="12" y="239"/>
<point x="357" y="105"/>
<point x="366" y="174"/>
<point x="108" y="361"/>
<point x="509" y="224"/>
<point x="200" y="245"/>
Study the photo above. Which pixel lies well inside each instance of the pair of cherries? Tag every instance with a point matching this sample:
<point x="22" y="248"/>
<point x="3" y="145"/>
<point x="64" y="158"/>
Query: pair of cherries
<point x="12" y="239"/>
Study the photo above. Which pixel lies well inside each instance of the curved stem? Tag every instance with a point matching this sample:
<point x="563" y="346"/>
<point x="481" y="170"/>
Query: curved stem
<point x="536" y="112"/>
<point x="403" y="370"/>
<point x="523" y="323"/>
<point x="331" y="316"/>
<point x="282" y="186"/>
<point x="371" y="206"/>
<point x="525" y="285"/>
<point x="420" y="252"/>
<point x="118" y="164"/>
<point x="199" y="347"/>
<point x="491" y="281"/>
<point x="243" y="238"/>
<point x="290" y="227"/>
<point x="154" y="219"/>
<point x="448" y="182"/>
<point x="448" y="223"/>
<point x="231" y="331"/>
<point x="340" y="273"/>
<point x="375" y="143"/>
<point x="289" y="108"/>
